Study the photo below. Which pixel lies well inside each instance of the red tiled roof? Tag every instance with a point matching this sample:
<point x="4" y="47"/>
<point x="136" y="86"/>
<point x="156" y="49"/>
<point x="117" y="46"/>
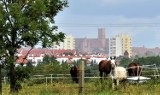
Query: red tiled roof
<point x="38" y="52"/>
<point x="21" y="60"/>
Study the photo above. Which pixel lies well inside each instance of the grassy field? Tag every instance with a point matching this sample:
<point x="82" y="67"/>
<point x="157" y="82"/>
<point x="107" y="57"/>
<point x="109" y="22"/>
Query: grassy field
<point x="94" y="87"/>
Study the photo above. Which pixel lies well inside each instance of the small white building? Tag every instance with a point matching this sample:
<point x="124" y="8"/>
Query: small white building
<point x="36" y="56"/>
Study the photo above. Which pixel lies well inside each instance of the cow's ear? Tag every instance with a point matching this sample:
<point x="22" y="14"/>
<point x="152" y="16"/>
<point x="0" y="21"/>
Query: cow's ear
<point x="111" y="58"/>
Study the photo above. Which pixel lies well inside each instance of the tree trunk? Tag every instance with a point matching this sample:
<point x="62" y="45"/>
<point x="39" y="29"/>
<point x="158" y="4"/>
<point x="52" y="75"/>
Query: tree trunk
<point x="12" y="79"/>
<point x="12" y="75"/>
<point x="0" y="79"/>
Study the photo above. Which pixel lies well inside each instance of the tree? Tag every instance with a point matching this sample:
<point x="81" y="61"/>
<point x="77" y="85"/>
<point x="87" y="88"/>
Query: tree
<point x="25" y="23"/>
<point x="49" y="59"/>
<point x="125" y="61"/>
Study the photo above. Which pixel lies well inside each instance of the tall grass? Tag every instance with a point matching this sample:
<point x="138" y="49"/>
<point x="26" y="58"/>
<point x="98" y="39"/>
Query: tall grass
<point x="93" y="87"/>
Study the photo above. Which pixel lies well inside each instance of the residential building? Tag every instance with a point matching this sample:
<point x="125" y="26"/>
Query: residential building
<point x="120" y="44"/>
<point x="115" y="46"/>
<point x="69" y="43"/>
<point x="36" y="56"/>
<point x="126" y="44"/>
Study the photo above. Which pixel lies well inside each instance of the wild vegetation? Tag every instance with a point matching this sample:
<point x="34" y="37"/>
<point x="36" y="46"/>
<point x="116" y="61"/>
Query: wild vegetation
<point x="91" y="87"/>
<point x="36" y="80"/>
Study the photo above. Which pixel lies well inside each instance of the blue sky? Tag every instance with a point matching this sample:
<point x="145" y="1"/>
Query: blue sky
<point x="139" y="19"/>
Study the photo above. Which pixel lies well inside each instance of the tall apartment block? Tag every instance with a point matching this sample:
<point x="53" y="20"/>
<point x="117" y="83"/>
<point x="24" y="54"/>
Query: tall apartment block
<point x="120" y="44"/>
<point x="69" y="43"/>
<point x="115" y="46"/>
<point x="126" y="44"/>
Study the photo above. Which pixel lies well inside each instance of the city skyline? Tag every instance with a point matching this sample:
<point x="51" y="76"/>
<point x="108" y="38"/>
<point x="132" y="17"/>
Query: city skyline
<point x="139" y="19"/>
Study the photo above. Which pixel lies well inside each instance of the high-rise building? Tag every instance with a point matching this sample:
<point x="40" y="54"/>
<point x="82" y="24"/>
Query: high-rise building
<point x="120" y="44"/>
<point x="69" y="43"/>
<point x="115" y="46"/>
<point x="126" y="44"/>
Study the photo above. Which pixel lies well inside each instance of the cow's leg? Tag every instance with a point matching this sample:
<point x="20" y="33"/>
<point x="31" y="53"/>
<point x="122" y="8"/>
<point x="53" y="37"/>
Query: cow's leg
<point x="113" y="83"/>
<point x="72" y="77"/>
<point x="106" y="76"/>
<point x="117" y="82"/>
<point x="124" y="83"/>
<point x="101" y="75"/>
<point x="76" y="79"/>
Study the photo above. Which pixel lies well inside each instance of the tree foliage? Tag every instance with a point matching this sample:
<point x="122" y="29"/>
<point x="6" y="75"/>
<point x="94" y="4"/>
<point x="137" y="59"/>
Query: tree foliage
<point x="148" y="60"/>
<point x="27" y="23"/>
<point x="125" y="61"/>
<point x="49" y="59"/>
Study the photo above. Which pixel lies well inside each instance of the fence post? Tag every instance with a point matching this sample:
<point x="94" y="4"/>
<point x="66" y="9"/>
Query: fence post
<point x="46" y="82"/>
<point x="81" y="77"/>
<point x="51" y="78"/>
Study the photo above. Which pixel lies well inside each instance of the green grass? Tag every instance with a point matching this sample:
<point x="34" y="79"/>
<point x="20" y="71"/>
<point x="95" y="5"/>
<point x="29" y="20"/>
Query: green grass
<point x="90" y="88"/>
